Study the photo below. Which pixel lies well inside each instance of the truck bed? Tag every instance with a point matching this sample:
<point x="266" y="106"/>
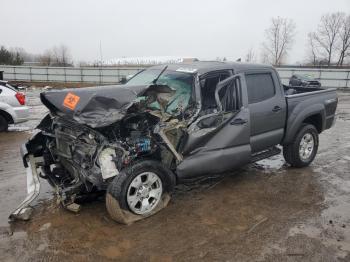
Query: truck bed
<point x="314" y="102"/>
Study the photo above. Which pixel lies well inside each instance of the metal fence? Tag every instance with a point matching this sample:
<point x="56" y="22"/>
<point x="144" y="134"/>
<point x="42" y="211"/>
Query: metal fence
<point x="338" y="78"/>
<point x="100" y="75"/>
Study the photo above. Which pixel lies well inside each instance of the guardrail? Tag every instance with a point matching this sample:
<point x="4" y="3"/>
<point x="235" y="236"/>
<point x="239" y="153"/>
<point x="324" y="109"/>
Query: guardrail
<point x="338" y="78"/>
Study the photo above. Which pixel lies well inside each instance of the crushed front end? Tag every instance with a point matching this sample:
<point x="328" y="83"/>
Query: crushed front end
<point x="79" y="159"/>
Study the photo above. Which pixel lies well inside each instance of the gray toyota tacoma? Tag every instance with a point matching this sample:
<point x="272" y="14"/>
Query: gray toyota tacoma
<point x="169" y="123"/>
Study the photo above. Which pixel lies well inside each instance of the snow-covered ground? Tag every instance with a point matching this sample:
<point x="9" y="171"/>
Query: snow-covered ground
<point x="146" y="60"/>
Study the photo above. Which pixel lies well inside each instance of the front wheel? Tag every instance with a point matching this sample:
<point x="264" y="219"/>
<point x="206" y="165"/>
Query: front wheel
<point x="303" y="150"/>
<point x="139" y="191"/>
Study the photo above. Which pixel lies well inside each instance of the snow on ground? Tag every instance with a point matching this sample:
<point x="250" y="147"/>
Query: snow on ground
<point x="146" y="60"/>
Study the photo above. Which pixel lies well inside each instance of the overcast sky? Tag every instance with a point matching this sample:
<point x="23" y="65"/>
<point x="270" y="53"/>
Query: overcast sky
<point x="203" y="29"/>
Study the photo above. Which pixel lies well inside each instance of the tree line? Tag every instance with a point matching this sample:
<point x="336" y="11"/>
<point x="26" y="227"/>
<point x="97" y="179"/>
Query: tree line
<point x="328" y="45"/>
<point x="55" y="56"/>
<point x="10" y="57"/>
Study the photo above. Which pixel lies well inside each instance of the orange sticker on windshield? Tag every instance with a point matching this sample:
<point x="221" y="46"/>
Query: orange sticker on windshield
<point x="71" y="100"/>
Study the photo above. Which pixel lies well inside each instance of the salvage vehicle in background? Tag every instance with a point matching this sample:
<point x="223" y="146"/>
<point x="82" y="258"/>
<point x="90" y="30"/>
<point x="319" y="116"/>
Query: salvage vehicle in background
<point x="166" y="125"/>
<point x="304" y="80"/>
<point x="13" y="107"/>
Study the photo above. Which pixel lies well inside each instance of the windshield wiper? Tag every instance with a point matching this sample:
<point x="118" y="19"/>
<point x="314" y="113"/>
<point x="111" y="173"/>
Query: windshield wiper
<point x="156" y="79"/>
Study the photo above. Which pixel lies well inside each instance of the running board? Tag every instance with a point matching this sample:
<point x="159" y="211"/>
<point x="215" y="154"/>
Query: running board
<point x="272" y="151"/>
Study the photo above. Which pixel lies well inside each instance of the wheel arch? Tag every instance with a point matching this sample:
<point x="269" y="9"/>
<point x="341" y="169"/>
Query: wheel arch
<point x="7" y="116"/>
<point x="291" y="151"/>
<point x="313" y="114"/>
<point x="315" y="120"/>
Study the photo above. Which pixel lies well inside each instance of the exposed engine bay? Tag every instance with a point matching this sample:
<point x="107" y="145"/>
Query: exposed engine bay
<point x="80" y="160"/>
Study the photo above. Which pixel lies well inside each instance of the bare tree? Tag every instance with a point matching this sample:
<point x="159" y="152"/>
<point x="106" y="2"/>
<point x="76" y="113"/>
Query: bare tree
<point x="250" y="57"/>
<point x="56" y="55"/>
<point x="65" y="55"/>
<point x="279" y="39"/>
<point x="327" y="34"/>
<point x="83" y="64"/>
<point x="23" y="53"/>
<point x="46" y="59"/>
<point x="61" y="55"/>
<point x="344" y="36"/>
<point x="264" y="57"/>
<point x="313" y="56"/>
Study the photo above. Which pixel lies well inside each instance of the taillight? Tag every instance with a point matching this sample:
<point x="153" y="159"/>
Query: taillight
<point x="21" y="98"/>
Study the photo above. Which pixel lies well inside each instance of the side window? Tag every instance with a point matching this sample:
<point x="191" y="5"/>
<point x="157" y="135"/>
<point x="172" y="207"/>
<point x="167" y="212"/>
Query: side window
<point x="229" y="98"/>
<point x="260" y="87"/>
<point x="208" y="90"/>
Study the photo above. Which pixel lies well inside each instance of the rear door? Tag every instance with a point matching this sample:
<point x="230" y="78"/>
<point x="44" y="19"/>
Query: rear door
<point x="7" y="95"/>
<point x="219" y="141"/>
<point x="267" y="109"/>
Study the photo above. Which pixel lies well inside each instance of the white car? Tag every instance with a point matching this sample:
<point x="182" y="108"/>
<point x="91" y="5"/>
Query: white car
<point x="13" y="107"/>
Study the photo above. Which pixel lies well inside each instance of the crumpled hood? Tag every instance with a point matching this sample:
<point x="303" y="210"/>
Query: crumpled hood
<point x="94" y="106"/>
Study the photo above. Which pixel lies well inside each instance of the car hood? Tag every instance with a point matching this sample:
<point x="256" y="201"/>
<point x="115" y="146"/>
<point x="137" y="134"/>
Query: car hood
<point x="94" y="106"/>
<point x="97" y="106"/>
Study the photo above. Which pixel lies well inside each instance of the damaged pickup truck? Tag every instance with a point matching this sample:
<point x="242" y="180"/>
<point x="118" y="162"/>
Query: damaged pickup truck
<point x="166" y="125"/>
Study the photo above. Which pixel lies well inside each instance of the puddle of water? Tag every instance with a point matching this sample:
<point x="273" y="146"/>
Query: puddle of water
<point x="272" y="163"/>
<point x="332" y="227"/>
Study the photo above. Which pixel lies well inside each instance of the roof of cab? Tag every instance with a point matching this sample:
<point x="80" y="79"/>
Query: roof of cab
<point x="203" y="67"/>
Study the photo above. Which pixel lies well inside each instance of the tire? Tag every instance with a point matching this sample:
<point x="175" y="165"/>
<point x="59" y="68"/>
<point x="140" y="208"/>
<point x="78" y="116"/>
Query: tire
<point x="301" y="152"/>
<point x="147" y="182"/>
<point x="3" y="124"/>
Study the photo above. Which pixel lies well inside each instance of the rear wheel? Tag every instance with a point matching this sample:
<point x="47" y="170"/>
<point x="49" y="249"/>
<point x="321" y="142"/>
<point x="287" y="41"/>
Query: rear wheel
<point x="303" y="150"/>
<point x="139" y="191"/>
<point x="3" y="124"/>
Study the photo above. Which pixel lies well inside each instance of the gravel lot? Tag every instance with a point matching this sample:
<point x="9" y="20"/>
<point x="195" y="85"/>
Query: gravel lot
<point x="263" y="212"/>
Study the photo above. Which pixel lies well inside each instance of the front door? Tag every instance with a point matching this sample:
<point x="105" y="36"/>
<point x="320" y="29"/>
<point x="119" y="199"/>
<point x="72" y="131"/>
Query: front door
<point x="219" y="141"/>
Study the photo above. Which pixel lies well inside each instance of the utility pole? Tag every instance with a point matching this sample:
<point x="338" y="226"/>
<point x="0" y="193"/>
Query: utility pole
<point x="101" y="57"/>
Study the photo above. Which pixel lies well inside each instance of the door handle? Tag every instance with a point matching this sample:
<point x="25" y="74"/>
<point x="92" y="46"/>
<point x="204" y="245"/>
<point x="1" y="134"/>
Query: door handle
<point x="238" y="121"/>
<point x="276" y="109"/>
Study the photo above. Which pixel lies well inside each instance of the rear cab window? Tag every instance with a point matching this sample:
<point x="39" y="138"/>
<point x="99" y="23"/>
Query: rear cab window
<point x="260" y="87"/>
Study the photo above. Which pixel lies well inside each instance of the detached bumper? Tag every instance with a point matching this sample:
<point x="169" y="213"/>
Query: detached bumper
<point x="23" y="211"/>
